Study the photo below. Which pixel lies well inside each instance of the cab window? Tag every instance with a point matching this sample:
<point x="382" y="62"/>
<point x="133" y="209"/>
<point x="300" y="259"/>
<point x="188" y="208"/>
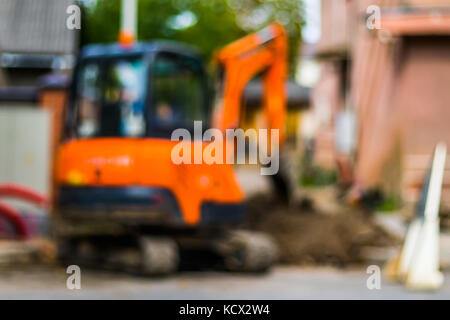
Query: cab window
<point x="177" y="91"/>
<point x="110" y="100"/>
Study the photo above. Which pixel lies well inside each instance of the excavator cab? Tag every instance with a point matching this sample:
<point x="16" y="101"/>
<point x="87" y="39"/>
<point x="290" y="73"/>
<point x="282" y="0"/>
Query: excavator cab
<point x="147" y="90"/>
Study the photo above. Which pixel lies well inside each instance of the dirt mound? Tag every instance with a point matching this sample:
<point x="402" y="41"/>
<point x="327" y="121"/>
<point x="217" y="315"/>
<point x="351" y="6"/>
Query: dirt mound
<point x="307" y="237"/>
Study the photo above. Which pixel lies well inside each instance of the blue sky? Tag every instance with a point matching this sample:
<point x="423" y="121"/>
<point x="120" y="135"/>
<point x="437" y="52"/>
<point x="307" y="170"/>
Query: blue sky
<point x="311" y="31"/>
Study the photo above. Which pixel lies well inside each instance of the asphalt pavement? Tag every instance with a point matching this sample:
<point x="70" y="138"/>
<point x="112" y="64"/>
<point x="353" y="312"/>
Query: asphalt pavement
<point x="281" y="283"/>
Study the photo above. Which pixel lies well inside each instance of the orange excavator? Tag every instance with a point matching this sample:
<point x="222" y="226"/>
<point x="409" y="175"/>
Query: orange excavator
<point x="120" y="201"/>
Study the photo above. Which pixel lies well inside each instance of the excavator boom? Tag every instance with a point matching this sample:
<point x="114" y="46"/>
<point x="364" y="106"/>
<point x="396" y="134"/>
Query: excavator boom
<point x="264" y="51"/>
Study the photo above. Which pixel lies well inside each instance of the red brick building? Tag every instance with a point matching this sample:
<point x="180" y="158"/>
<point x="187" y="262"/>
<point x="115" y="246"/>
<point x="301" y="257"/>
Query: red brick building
<point x="395" y="79"/>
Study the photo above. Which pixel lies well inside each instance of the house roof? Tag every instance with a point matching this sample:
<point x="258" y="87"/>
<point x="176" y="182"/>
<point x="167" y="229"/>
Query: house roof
<point x="36" y="26"/>
<point x="417" y="20"/>
<point x="18" y="94"/>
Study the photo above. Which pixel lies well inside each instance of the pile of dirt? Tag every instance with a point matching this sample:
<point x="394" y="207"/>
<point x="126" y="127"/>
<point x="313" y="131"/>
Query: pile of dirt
<point x="24" y="253"/>
<point x="307" y="237"/>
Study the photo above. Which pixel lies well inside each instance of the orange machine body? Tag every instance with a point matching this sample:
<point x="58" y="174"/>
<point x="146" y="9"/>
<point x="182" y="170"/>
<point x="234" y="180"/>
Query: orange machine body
<point x="242" y="60"/>
<point x="116" y="162"/>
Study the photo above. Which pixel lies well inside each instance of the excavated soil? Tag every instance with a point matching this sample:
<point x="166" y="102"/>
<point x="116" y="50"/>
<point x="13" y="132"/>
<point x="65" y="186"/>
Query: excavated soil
<point x="307" y="237"/>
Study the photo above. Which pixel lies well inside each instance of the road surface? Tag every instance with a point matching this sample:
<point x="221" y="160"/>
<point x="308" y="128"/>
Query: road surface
<point x="281" y="283"/>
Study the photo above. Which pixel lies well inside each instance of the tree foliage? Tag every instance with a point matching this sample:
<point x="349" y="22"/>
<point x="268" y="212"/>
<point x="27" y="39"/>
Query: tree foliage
<point x="206" y="24"/>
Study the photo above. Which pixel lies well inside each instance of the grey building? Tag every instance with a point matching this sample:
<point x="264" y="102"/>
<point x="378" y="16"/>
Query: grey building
<point x="34" y="39"/>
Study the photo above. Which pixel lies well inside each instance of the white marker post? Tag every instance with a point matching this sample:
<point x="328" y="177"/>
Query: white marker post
<point x="128" y="31"/>
<point x="423" y="273"/>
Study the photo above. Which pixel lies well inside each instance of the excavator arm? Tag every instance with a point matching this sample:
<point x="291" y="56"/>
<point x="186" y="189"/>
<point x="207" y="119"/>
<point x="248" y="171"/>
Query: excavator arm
<point x="264" y="51"/>
<point x="245" y="58"/>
